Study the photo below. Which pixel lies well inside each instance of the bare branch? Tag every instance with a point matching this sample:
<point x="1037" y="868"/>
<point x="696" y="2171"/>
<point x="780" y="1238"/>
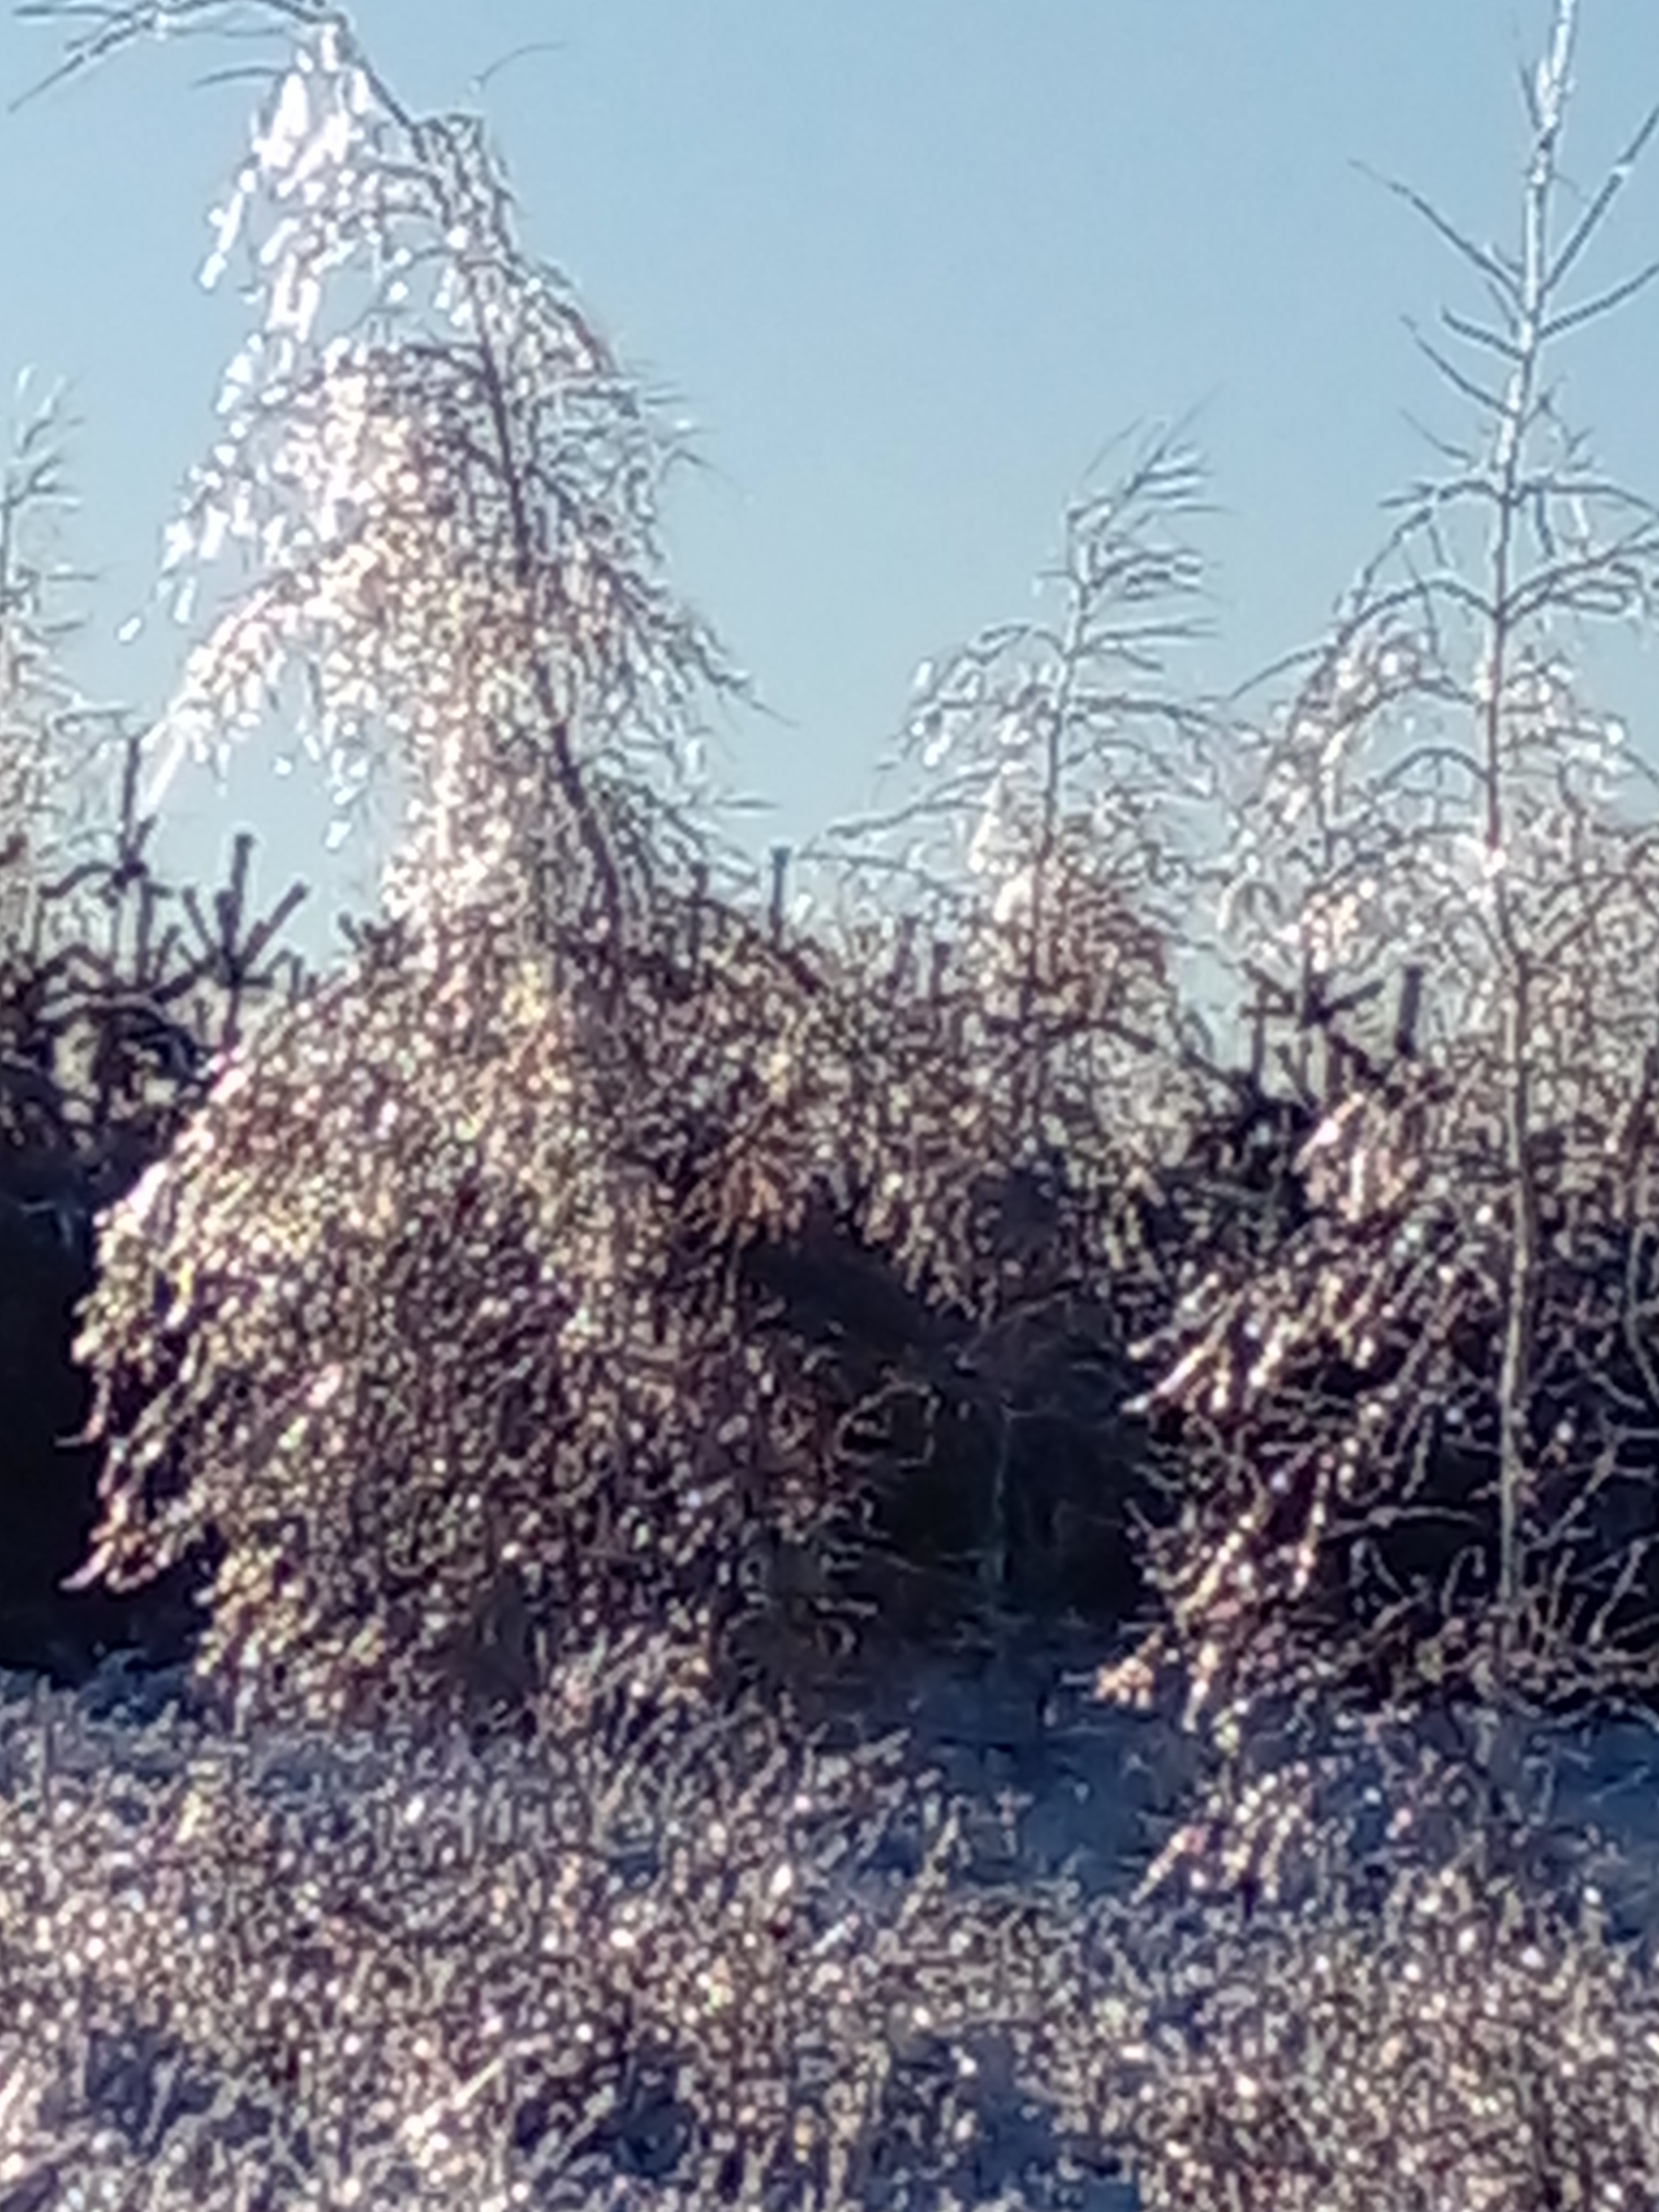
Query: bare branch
<point x="1574" y="318"/>
<point x="1496" y="342"/>
<point x="1493" y="402"/>
<point x="1502" y="274"/>
<point x="1596" y="213"/>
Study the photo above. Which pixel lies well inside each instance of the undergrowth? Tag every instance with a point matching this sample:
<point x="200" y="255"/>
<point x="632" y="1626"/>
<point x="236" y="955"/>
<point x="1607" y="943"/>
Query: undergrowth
<point x="671" y="1955"/>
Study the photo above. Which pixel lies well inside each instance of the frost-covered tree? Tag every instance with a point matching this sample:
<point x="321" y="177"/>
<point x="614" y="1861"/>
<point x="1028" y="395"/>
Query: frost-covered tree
<point x="53" y="741"/>
<point x="440" y="491"/>
<point x="435" y="1322"/>
<point x="1436" y="807"/>
<point x="1029" y="868"/>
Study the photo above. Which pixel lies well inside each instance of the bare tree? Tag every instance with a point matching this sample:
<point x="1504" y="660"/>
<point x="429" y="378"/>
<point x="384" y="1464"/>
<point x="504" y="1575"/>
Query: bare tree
<point x="1045" y="762"/>
<point x="1487" y="856"/>
<point x="52" y="740"/>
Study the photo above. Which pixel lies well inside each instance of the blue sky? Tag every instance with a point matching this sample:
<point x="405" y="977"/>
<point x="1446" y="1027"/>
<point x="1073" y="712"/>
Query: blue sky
<point x="908" y="264"/>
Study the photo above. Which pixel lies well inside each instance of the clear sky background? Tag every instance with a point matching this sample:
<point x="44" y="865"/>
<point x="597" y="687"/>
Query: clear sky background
<point x="908" y="264"/>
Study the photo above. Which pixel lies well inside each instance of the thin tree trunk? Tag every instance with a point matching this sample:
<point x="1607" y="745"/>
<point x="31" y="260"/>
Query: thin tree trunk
<point x="1513" y="1384"/>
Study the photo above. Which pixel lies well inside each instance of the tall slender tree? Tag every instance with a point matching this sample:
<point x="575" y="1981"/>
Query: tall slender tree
<point x="54" y="742"/>
<point x="1031" y="850"/>
<point x="1487" y="860"/>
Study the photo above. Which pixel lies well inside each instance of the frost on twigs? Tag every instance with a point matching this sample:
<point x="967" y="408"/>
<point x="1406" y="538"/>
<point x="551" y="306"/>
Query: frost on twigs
<point x="447" y="1319"/>
<point x="43" y="721"/>
<point x="439" y="490"/>
<point x="436" y="1391"/>
<point x="439" y="1318"/>
<point x="441" y="487"/>
<point x="665" y="1948"/>
<point x="686" y="1958"/>
<point x="1428" y="1418"/>
<point x="1026" y="872"/>
<point x="442" y="1317"/>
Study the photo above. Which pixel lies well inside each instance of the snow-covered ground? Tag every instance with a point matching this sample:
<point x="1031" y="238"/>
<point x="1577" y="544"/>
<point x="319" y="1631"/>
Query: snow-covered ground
<point x="1054" y="1780"/>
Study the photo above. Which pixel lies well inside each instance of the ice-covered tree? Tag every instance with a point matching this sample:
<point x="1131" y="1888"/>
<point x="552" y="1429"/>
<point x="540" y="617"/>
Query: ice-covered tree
<point x="1436" y="813"/>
